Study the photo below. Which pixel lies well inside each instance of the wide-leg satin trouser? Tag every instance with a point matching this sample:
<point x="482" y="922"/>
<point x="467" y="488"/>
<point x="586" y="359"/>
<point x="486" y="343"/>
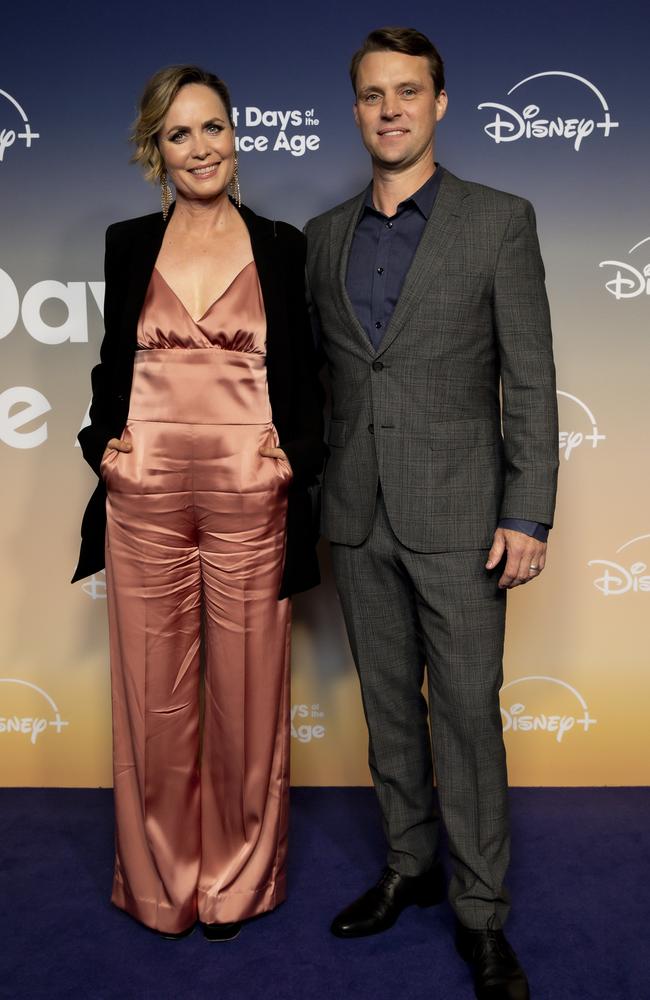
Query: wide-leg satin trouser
<point x="194" y="557"/>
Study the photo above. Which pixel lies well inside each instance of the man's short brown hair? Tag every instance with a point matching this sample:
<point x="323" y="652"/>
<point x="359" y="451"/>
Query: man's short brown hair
<point x="406" y="40"/>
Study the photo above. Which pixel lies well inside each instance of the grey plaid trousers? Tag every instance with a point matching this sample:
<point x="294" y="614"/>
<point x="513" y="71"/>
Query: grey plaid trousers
<point x="403" y="609"/>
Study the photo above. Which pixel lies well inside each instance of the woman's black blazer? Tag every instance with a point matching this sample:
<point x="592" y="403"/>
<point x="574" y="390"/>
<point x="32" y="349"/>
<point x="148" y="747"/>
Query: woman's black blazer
<point x="296" y="397"/>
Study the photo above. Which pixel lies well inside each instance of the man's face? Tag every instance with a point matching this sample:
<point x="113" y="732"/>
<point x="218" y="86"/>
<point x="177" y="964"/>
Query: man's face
<point x="396" y="108"/>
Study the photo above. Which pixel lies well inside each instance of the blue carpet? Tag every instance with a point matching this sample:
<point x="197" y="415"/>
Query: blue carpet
<point x="580" y="880"/>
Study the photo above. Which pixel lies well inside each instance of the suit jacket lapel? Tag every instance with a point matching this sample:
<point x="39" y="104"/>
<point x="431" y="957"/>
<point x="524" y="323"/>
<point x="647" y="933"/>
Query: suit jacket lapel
<point x="342" y="229"/>
<point x="441" y="230"/>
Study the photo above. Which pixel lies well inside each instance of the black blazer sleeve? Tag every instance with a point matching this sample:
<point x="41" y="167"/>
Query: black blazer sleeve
<point x="305" y="450"/>
<point x="102" y="427"/>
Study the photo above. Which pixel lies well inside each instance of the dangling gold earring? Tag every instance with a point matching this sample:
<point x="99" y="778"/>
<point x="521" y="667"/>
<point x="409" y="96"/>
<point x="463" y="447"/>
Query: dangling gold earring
<point x="233" y="188"/>
<point x="166" y="196"/>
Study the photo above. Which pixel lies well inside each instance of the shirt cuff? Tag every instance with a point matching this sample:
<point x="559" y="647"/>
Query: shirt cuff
<point x="532" y="528"/>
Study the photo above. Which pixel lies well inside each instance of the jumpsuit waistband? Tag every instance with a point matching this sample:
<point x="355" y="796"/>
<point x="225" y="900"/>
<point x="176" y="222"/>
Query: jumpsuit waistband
<point x="200" y="386"/>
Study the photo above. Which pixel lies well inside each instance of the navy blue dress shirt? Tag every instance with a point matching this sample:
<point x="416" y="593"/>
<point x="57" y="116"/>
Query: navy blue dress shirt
<point x="380" y="256"/>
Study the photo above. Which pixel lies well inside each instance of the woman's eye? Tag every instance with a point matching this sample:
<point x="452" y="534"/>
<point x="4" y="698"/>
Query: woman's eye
<point x="215" y="129"/>
<point x="177" y="136"/>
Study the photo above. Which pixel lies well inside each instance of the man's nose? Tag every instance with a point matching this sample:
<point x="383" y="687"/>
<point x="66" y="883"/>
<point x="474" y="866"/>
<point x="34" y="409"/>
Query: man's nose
<point x="390" y="107"/>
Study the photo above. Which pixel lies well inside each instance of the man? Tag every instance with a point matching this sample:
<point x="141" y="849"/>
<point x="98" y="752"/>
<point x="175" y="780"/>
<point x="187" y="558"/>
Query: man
<point x="429" y="294"/>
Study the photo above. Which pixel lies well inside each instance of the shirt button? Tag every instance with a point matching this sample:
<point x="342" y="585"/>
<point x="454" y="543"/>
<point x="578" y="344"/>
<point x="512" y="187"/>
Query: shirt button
<point x="380" y="270"/>
<point x="389" y="225"/>
<point x="377" y="366"/>
<point x="378" y="325"/>
<point x="371" y="428"/>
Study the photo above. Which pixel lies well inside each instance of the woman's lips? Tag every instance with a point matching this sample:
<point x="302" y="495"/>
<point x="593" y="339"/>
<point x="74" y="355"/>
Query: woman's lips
<point x="203" y="172"/>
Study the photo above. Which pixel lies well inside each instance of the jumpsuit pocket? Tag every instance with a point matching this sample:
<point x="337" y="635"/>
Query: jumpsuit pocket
<point x="109" y="462"/>
<point x="106" y="464"/>
<point x="283" y="465"/>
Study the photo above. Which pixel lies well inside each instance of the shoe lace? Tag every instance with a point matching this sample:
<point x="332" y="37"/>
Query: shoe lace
<point x="494" y="945"/>
<point x="388" y="877"/>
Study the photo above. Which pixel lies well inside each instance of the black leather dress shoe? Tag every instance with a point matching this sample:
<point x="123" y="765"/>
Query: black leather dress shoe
<point x="379" y="908"/>
<point x="496" y="969"/>
<point x="222" y="932"/>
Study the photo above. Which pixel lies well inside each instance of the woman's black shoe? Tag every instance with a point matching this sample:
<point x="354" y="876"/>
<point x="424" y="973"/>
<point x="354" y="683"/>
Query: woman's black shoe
<point x="171" y="936"/>
<point x="222" y="932"/>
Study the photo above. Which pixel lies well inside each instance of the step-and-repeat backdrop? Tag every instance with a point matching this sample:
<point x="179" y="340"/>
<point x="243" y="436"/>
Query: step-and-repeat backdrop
<point x="549" y="101"/>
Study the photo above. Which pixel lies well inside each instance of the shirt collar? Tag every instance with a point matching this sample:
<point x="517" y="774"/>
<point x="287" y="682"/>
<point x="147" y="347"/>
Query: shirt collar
<point x="423" y="199"/>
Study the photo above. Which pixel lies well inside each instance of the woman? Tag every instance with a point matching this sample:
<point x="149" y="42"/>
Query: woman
<point x="204" y="470"/>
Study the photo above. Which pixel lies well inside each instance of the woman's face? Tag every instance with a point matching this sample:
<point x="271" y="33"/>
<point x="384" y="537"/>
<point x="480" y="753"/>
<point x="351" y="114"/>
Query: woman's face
<point x="197" y="143"/>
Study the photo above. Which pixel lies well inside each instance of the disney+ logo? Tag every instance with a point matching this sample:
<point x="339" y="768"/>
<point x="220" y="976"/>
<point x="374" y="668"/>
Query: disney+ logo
<point x="616" y="579"/>
<point x="8" y="136"/>
<point x="509" y="124"/>
<point x="628" y="281"/>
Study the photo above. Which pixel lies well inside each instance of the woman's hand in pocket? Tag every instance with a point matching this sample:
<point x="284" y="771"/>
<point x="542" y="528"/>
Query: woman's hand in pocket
<point x="275" y="453"/>
<point x="115" y="444"/>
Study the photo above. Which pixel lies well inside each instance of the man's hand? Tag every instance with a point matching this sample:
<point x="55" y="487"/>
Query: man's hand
<point x="526" y="557"/>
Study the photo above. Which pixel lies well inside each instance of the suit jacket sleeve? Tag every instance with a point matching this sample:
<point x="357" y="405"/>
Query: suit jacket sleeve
<point x="94" y="437"/>
<point x="305" y="450"/>
<point x="529" y="403"/>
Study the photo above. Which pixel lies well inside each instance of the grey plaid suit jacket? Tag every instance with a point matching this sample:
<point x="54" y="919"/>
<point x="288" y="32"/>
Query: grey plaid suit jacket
<point x="456" y="413"/>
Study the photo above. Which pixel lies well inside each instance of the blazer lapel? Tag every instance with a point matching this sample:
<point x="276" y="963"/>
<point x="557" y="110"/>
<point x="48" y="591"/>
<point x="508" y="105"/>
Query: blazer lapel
<point x="262" y="233"/>
<point x="342" y="229"/>
<point x="145" y="253"/>
<point x="442" y="228"/>
<point x="270" y="262"/>
<point x="143" y="259"/>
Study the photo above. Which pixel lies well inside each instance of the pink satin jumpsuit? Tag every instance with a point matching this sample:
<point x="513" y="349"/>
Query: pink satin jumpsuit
<point x="199" y="642"/>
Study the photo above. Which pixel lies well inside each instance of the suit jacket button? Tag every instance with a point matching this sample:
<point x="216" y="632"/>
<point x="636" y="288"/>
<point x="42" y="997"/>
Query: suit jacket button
<point x="377" y="366"/>
<point x="371" y="428"/>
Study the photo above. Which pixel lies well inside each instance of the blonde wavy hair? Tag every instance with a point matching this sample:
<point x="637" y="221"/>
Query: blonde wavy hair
<point x="157" y="98"/>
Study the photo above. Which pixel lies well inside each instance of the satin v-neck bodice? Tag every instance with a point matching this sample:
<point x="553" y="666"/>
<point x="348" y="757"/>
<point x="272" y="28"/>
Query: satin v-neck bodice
<point x="236" y="321"/>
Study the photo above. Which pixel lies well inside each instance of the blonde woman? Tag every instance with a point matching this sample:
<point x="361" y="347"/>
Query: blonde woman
<point x="205" y="432"/>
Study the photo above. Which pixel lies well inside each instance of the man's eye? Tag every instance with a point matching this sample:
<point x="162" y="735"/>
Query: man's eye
<point x="408" y="92"/>
<point x="371" y="98"/>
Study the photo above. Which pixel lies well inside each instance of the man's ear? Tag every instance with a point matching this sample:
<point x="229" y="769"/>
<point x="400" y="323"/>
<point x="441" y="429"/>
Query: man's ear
<point x="355" y="112"/>
<point x="441" y="105"/>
